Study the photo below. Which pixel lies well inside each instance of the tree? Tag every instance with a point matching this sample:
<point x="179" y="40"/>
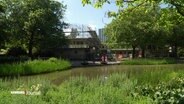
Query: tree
<point x="36" y="23"/>
<point x="1" y="34"/>
<point x="137" y="28"/>
<point x="2" y="25"/>
<point x="174" y="23"/>
<point x="169" y="23"/>
<point x="179" y="4"/>
<point x="44" y="21"/>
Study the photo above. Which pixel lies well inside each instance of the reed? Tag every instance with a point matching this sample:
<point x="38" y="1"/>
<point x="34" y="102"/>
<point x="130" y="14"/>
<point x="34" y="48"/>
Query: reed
<point x="34" y="67"/>
<point x="149" y="61"/>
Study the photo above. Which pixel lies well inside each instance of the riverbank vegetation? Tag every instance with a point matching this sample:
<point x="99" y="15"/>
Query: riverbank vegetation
<point x="157" y="85"/>
<point x="149" y="61"/>
<point x="34" y="67"/>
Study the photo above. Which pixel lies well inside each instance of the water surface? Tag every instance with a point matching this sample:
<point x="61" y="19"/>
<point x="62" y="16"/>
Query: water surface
<point x="91" y="72"/>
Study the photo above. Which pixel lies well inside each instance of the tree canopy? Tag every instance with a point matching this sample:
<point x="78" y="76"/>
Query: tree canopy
<point x="146" y="25"/>
<point x="35" y="23"/>
<point x="178" y="4"/>
<point x="2" y="25"/>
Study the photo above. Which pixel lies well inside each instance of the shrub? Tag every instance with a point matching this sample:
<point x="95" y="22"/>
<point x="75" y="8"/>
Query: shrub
<point x="165" y="93"/>
<point x="16" y="51"/>
<point x="12" y="59"/>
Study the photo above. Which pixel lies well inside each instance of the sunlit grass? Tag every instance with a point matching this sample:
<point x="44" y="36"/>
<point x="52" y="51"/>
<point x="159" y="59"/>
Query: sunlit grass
<point x="149" y="61"/>
<point x="34" y="67"/>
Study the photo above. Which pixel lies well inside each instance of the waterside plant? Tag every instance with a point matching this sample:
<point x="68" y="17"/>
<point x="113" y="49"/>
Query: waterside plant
<point x="34" y="67"/>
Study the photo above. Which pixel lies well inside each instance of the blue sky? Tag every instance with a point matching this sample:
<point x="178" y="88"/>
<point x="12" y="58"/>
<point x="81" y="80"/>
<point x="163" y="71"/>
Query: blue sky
<point x="87" y="15"/>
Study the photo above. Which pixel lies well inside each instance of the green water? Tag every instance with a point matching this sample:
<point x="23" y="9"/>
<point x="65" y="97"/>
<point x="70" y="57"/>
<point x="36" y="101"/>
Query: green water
<point x="91" y="72"/>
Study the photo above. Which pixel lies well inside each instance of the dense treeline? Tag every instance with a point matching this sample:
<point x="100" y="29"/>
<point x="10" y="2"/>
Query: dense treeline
<point x="31" y="25"/>
<point x="148" y="27"/>
<point x="154" y="25"/>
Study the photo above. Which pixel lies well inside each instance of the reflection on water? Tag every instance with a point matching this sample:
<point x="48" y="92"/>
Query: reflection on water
<point x="91" y="72"/>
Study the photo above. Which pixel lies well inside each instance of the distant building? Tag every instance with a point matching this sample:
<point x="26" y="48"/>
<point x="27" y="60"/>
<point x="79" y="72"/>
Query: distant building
<point x="81" y="48"/>
<point x="83" y="44"/>
<point x="101" y="35"/>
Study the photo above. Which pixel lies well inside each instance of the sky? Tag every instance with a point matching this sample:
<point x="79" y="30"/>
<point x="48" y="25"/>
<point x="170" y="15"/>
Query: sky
<point x="76" y="13"/>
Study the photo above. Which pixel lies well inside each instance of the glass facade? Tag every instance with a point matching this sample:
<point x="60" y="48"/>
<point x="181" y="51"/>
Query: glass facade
<point x="101" y="35"/>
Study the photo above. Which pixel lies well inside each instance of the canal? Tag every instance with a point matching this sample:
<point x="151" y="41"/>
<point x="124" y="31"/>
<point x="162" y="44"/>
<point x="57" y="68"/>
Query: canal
<point x="92" y="72"/>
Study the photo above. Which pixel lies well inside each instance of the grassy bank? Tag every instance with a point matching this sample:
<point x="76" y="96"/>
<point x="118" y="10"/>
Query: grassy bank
<point x="147" y="87"/>
<point x="33" y="67"/>
<point x="78" y="90"/>
<point x="149" y="61"/>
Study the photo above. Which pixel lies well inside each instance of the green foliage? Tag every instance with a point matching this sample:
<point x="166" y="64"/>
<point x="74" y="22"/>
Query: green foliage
<point x="35" y="24"/>
<point x="138" y="27"/>
<point x="100" y="3"/>
<point x="113" y="89"/>
<point x="149" y="61"/>
<point x="181" y="52"/>
<point x="152" y="76"/>
<point x="3" y="25"/>
<point x="34" y="67"/>
<point x="146" y="25"/>
<point x="16" y="51"/>
<point x="117" y="88"/>
<point x="20" y="85"/>
<point x="12" y="59"/>
<point x="85" y="2"/>
<point x="170" y="92"/>
<point x="179" y="4"/>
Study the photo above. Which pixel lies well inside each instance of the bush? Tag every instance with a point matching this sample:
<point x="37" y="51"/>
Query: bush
<point x="46" y="53"/>
<point x="13" y="59"/>
<point x="165" y="93"/>
<point x="16" y="51"/>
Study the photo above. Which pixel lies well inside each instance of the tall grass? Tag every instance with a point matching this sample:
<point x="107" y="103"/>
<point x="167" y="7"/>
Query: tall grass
<point x="117" y="88"/>
<point x="6" y="86"/>
<point x="33" y="67"/>
<point x="149" y="61"/>
<point x="112" y="89"/>
<point x="154" y="74"/>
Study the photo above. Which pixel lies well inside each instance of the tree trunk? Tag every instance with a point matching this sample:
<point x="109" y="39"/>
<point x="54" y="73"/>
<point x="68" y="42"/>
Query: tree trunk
<point x="143" y="53"/>
<point x="30" y="46"/>
<point x="175" y="50"/>
<point x="133" y="51"/>
<point x="175" y="44"/>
